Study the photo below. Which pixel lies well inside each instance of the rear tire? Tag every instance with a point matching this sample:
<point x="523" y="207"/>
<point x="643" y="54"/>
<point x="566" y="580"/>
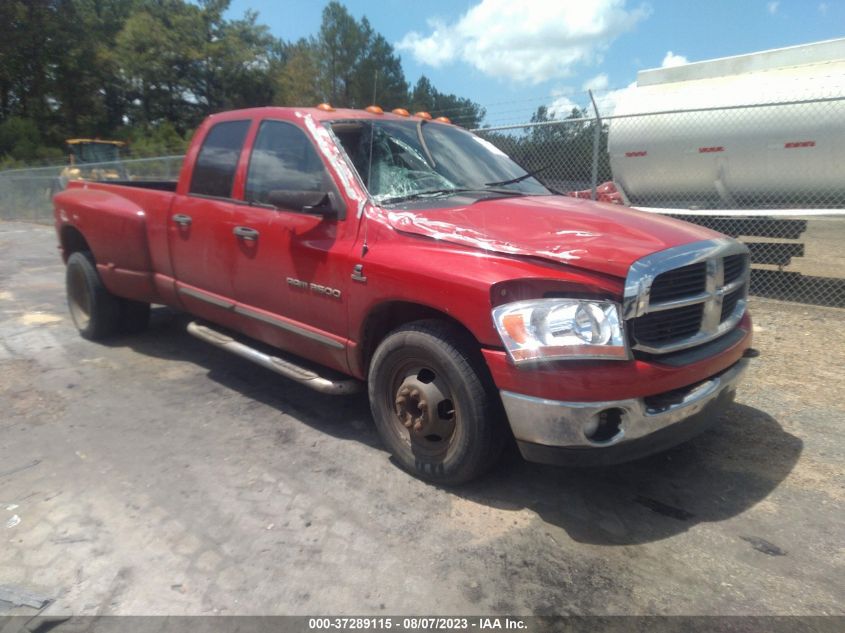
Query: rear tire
<point x="433" y="404"/>
<point x="94" y="310"/>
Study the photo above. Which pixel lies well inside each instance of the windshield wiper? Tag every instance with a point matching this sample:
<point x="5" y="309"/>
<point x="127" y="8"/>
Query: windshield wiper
<point x="428" y="193"/>
<point x="513" y="181"/>
<point x="434" y="193"/>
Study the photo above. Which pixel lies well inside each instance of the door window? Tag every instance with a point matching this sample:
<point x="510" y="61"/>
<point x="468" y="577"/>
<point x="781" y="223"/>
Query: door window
<point x="283" y="161"/>
<point x="214" y="171"/>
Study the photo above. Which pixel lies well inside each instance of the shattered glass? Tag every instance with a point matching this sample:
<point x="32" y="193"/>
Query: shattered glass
<point x="395" y="165"/>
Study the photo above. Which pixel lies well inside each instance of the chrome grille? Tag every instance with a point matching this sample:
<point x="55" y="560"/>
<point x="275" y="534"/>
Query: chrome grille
<point x="678" y="283"/>
<point x="729" y="303"/>
<point x="735" y="267"/>
<point x="687" y="295"/>
<point x="659" y="328"/>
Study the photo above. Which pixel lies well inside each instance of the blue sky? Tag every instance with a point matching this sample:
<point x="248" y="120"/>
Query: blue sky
<point x="512" y="56"/>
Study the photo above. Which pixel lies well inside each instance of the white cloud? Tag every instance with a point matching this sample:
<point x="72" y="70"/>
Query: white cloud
<point x="562" y="107"/>
<point x="608" y="101"/>
<point x="772" y="7"/>
<point x="529" y="41"/>
<point x="599" y="82"/>
<point x="671" y="60"/>
<point x="823" y="7"/>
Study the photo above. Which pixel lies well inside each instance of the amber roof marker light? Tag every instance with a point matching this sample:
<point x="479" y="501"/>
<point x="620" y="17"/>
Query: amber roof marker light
<point x="325" y="107"/>
<point x="401" y="112"/>
<point x="374" y="109"/>
<point x="443" y="119"/>
<point x="423" y="115"/>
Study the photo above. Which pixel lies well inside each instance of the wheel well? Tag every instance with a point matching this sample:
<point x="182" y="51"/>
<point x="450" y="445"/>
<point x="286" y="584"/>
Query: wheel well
<point x="389" y="316"/>
<point x="72" y="241"/>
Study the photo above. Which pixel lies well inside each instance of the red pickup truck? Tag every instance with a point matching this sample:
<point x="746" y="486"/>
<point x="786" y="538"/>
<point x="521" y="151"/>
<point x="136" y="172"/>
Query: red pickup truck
<point x="346" y="247"/>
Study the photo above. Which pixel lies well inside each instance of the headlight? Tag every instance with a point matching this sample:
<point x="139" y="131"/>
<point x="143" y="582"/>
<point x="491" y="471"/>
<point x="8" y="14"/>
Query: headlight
<point x="556" y="329"/>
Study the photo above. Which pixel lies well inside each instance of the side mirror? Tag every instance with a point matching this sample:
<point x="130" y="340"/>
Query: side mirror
<point x="326" y="207"/>
<point x="311" y="202"/>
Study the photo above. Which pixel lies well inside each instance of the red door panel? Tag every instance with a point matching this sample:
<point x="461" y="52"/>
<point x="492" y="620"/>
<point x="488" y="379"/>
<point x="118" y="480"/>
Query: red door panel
<point x="292" y="272"/>
<point x="201" y="235"/>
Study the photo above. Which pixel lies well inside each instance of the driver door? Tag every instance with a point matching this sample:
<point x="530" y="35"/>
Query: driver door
<point x="292" y="266"/>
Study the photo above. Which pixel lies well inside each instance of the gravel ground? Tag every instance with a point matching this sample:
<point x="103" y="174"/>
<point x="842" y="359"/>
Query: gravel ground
<point x="158" y="475"/>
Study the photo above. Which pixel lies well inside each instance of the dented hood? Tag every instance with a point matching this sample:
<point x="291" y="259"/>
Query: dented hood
<point x="594" y="236"/>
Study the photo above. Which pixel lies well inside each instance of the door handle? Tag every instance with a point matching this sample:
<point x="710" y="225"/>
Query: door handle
<point x="245" y="233"/>
<point x="181" y="219"/>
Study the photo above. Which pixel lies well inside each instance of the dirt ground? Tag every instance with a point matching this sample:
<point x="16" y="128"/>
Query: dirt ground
<point x="157" y="475"/>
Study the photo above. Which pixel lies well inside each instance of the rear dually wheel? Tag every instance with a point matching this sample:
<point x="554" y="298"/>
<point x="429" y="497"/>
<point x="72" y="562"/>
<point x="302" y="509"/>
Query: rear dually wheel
<point x="97" y="313"/>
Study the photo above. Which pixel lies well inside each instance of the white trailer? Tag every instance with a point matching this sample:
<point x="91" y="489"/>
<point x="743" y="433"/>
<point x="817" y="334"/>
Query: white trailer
<point x="758" y="131"/>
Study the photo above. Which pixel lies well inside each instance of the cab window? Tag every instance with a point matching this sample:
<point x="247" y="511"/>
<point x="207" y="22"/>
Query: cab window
<point x="214" y="171"/>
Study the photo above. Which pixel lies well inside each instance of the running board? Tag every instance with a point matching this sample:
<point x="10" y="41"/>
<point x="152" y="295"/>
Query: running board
<point x="273" y="363"/>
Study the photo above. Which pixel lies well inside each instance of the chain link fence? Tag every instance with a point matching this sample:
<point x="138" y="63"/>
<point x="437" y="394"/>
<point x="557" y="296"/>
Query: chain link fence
<point x="26" y="194"/>
<point x="772" y="175"/>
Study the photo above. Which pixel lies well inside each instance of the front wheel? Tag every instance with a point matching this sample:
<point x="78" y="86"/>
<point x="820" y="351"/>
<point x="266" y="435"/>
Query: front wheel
<point x="432" y="405"/>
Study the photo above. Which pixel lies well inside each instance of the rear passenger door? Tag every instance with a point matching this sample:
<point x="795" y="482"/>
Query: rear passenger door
<point x="201" y="224"/>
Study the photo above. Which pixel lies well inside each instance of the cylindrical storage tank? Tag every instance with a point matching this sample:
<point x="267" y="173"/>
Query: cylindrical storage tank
<point x="756" y="131"/>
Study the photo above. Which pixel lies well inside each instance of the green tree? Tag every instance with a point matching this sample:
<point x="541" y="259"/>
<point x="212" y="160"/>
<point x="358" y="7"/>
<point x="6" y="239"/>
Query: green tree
<point x="159" y="48"/>
<point x="357" y="65"/>
<point x="182" y="61"/>
<point x="236" y="59"/>
<point x="154" y="140"/>
<point x="25" y="56"/>
<point x="22" y="142"/>
<point x="88" y="95"/>
<point x="561" y="149"/>
<point x="342" y="42"/>
<point x="461" y="111"/>
<point x="297" y="80"/>
<point x="12" y="60"/>
<point x="151" y="70"/>
<point x="378" y="77"/>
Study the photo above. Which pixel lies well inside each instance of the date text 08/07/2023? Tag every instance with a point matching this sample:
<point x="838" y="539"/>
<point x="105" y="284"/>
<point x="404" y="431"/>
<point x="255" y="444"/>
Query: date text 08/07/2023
<point x="416" y="623"/>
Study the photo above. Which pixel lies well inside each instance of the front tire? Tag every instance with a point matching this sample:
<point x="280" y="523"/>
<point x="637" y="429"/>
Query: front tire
<point x="433" y="405"/>
<point x="94" y="310"/>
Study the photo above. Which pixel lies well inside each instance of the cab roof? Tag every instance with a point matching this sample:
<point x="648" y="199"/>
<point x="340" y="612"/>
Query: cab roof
<point x="318" y="114"/>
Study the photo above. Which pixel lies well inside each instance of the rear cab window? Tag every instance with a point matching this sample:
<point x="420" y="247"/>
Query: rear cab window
<point x="217" y="161"/>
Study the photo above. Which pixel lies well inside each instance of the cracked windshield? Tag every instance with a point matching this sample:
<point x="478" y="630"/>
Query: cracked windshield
<point x="406" y="160"/>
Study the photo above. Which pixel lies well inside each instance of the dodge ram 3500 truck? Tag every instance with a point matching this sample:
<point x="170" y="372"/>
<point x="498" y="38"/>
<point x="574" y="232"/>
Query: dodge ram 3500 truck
<point x="344" y="247"/>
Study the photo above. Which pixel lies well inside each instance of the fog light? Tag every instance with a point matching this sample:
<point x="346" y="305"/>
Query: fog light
<point x="604" y="426"/>
<point x="590" y="426"/>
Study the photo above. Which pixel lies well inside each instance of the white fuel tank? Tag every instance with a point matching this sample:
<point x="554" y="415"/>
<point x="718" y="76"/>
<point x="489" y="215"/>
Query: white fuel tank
<point x="765" y="130"/>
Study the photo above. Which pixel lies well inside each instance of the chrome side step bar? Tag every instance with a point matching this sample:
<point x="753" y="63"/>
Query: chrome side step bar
<point x="273" y="363"/>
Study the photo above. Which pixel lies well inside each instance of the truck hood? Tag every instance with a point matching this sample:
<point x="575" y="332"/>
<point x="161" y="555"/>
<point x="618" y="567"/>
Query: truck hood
<point x="594" y="236"/>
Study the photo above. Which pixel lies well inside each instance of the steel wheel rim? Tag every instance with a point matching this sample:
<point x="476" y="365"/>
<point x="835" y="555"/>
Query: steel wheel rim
<point x="441" y="425"/>
<point x="79" y="298"/>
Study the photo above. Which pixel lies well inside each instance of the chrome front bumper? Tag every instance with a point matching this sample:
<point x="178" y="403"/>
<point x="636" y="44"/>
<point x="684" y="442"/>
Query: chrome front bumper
<point x="643" y="428"/>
